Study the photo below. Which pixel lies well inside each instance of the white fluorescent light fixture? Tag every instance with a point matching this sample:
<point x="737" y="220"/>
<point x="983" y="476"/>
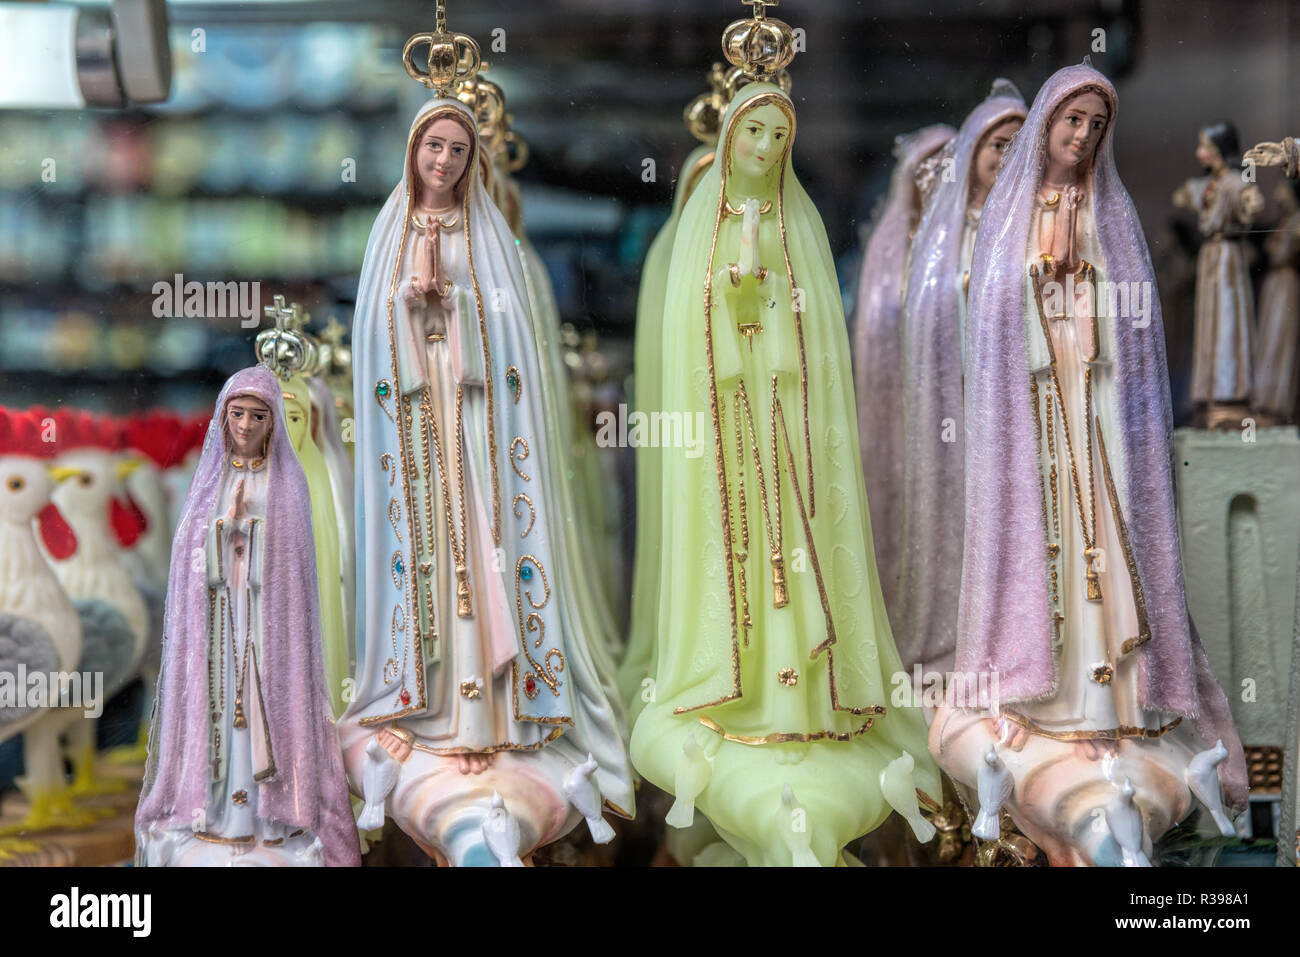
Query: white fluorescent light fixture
<point x="60" y="56"/>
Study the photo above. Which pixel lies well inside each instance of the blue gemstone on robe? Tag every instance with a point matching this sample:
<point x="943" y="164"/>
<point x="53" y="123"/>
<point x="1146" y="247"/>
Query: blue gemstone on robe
<point x="526" y="573"/>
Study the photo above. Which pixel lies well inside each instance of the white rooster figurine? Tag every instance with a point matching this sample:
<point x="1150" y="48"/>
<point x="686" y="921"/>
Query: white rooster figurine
<point x="177" y="476"/>
<point x="39" y="629"/>
<point x="151" y="443"/>
<point x="114" y="618"/>
<point x="584" y="794"/>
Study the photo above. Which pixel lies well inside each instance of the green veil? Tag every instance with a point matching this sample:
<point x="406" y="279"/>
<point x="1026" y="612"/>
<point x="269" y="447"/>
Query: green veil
<point x="335" y="648"/>
<point x="648" y="361"/>
<point x="774" y="649"/>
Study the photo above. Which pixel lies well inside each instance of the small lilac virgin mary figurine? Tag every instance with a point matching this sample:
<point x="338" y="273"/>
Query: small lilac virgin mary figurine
<point x="1072" y="586"/>
<point x="244" y="764"/>
<point x="930" y="397"/>
<point x="877" y="345"/>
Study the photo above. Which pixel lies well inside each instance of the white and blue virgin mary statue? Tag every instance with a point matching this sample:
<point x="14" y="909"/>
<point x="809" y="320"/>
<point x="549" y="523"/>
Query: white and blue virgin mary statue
<point x="478" y="705"/>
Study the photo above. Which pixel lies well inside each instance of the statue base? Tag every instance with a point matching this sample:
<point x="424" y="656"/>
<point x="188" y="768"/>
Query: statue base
<point x="1240" y="535"/>
<point x="444" y="810"/>
<point x="1065" y="793"/>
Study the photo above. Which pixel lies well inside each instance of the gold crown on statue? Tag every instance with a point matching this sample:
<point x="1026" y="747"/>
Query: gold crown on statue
<point x="453" y="57"/>
<point x="703" y="115"/>
<point x="287" y="349"/>
<point x="760" y="47"/>
<point x="736" y="78"/>
<point x="516" y="147"/>
<point x="486" y="101"/>
<point x="335" y="357"/>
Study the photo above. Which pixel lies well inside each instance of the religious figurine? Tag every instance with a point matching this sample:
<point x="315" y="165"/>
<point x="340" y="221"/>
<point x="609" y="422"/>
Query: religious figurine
<point x="774" y="654"/>
<point x="336" y="370"/>
<point x="576" y="502"/>
<point x="703" y="116"/>
<point x="877" y="349"/>
<point x="482" y="722"/>
<point x="291" y="354"/>
<point x="327" y="435"/>
<point x="150" y="440"/>
<point x="1285" y="154"/>
<point x="244" y="765"/>
<point x="930" y="395"/>
<point x="328" y="527"/>
<point x="1273" y="392"/>
<point x="1104" y="707"/>
<point x="1225" y="206"/>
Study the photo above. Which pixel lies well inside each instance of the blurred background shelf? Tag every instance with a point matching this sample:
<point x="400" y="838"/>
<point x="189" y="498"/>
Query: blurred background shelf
<point x="286" y="125"/>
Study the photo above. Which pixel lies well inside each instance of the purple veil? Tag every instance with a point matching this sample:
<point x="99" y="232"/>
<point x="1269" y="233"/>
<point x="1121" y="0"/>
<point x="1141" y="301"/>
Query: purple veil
<point x="308" y="789"/>
<point x="1003" y="623"/>
<point x="932" y="519"/>
<point x="876" y="360"/>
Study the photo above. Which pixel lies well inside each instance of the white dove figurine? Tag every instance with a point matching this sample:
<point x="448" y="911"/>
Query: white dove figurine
<point x="501" y="832"/>
<point x="377" y="780"/>
<point x="691" y="777"/>
<point x="994" y="784"/>
<point x="898" y="788"/>
<point x="795" y="831"/>
<point x="1202" y="777"/>
<point x="1125" y="822"/>
<point x="584" y="794"/>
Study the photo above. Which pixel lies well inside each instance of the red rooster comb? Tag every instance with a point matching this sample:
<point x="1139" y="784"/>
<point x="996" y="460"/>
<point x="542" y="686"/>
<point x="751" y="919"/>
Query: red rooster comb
<point x="24" y="433"/>
<point x="159" y="434"/>
<point x="77" y="429"/>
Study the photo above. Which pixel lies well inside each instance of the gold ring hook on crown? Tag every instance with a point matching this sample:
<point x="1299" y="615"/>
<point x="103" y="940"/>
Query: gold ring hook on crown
<point x="516" y="152"/>
<point x="453" y="57"/>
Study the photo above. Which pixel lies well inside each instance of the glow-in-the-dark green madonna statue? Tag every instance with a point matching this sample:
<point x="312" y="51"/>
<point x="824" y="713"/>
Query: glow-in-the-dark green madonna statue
<point x="771" y="710"/>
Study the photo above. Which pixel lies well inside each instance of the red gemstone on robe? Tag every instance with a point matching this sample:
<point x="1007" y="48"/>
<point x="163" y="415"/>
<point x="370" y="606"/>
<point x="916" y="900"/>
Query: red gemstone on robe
<point x="406" y="696"/>
<point x="530" y="686"/>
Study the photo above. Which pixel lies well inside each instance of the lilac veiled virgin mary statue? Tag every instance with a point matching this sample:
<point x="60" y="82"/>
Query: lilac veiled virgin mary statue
<point x="1072" y="586"/>
<point x="931" y="449"/>
<point x="244" y="764"/>
<point x="877" y="346"/>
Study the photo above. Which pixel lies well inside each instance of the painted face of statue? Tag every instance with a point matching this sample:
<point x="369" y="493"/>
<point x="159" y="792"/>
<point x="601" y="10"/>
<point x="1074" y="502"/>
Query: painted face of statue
<point x="248" y="423"/>
<point x="989" y="156"/>
<point x="298" y="423"/>
<point x="1076" y="130"/>
<point x="440" y="159"/>
<point x="760" y="142"/>
<point x="1207" y="154"/>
